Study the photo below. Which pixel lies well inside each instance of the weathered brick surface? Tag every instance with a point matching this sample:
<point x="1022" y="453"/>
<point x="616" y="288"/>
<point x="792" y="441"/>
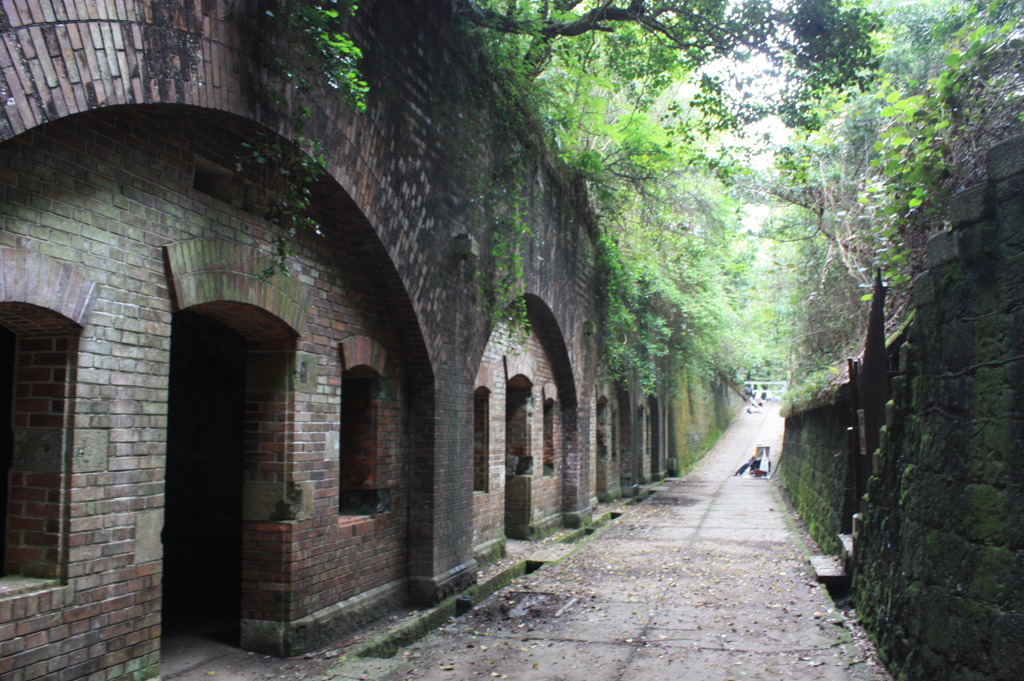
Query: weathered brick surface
<point x="115" y="264"/>
<point x="526" y="438"/>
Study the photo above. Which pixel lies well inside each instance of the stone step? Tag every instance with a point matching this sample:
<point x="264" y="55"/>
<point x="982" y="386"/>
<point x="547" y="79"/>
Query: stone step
<point x="829" y="571"/>
<point x="847" y="542"/>
<point x="550" y="554"/>
<point x="848" y="551"/>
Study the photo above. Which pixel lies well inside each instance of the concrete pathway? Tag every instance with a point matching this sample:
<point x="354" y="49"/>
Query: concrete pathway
<point x="705" y="580"/>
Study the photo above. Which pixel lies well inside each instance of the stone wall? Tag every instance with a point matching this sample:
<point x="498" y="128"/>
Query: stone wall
<point x="697" y="413"/>
<point x="939" y="562"/>
<point x="940" y="581"/>
<point x="815" y="470"/>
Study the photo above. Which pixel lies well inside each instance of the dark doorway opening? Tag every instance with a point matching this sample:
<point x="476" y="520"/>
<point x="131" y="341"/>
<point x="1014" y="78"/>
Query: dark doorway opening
<point x="202" y="534"/>
<point x="518" y="457"/>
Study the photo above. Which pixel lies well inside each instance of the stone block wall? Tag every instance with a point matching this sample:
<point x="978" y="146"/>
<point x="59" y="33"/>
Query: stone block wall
<point x="697" y="413"/>
<point x="815" y="472"/>
<point x="940" y="582"/>
<point x="939" y="574"/>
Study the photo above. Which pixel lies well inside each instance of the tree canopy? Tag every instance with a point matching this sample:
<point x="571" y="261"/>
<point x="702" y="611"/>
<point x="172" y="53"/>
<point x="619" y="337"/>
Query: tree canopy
<point x="803" y="45"/>
<point x="890" y="105"/>
<point x="867" y="190"/>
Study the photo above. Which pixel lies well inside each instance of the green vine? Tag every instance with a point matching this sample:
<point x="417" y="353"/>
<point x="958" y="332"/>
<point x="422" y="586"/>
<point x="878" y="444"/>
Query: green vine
<point x="284" y="174"/>
<point x="638" y="334"/>
<point x="508" y="237"/>
<point x="918" y="161"/>
<point x="321" y="58"/>
<point x="498" y="188"/>
<point x="327" y="55"/>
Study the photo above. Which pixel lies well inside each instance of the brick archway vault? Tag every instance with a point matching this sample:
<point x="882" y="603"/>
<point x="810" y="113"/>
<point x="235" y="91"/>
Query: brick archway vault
<point x="38" y="280"/>
<point x="211" y="270"/>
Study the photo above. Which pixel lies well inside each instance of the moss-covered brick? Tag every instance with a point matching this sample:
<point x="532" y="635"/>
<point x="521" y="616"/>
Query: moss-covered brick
<point x="997" y="435"/>
<point x="1007" y="645"/>
<point x="993" y="575"/>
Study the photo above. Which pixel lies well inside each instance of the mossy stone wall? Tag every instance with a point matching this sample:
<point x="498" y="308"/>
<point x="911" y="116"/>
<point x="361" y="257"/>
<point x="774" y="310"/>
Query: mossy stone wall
<point x="814" y="470"/>
<point x="940" y="583"/>
<point x="699" y="411"/>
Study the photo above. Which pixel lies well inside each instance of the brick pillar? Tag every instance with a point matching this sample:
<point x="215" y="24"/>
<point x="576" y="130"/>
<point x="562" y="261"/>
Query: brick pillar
<point x="627" y="454"/>
<point x="481" y="439"/>
<point x="271" y="501"/>
<point x="602" y="449"/>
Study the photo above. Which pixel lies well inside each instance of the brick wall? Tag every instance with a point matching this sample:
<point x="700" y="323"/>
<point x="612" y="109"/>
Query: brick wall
<point x="112" y="234"/>
<point x="607" y="446"/>
<point x="35" y="542"/>
<point x="489" y="504"/>
<point x="114" y="496"/>
<point x="526" y="440"/>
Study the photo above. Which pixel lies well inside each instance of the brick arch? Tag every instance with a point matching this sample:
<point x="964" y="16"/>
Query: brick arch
<point x="519" y="365"/>
<point x="485" y="378"/>
<point x="519" y="381"/>
<point x="547" y="328"/>
<point x="178" y="55"/>
<point x="207" y="273"/>
<point x="357" y="351"/>
<point x="58" y="293"/>
<point x="195" y="62"/>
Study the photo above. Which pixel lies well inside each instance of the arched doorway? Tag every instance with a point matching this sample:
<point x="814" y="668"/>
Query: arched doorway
<point x="518" y="457"/>
<point x="228" y="425"/>
<point x="202" y="533"/>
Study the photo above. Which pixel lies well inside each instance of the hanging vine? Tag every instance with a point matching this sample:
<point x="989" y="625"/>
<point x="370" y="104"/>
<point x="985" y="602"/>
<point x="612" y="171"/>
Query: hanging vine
<point x="318" y="59"/>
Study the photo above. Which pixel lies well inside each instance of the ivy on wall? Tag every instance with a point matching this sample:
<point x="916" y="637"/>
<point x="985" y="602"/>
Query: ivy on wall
<point x="319" y="58"/>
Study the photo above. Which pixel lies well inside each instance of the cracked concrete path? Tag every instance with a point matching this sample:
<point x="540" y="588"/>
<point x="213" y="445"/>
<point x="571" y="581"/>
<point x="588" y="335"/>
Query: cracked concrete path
<point x="705" y="580"/>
